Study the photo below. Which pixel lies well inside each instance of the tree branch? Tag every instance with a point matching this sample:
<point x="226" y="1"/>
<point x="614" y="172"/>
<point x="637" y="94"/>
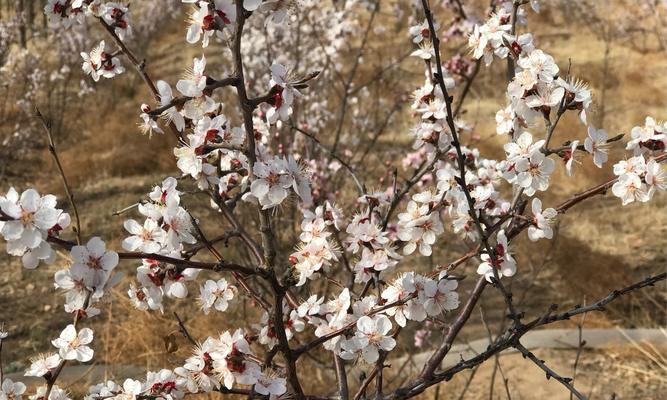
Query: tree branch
<point x="52" y="149"/>
<point x="550" y="373"/>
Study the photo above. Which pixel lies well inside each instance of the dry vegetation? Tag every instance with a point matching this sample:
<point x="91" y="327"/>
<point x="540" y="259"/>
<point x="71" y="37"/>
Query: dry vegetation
<point x="600" y="245"/>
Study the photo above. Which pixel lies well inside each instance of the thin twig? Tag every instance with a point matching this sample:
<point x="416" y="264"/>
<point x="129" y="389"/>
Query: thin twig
<point x="549" y="372"/>
<point x="580" y="347"/>
<point x="512" y="336"/>
<point x="52" y="149"/>
<point x="184" y="330"/>
<point x="140" y="67"/>
<point x="350" y="169"/>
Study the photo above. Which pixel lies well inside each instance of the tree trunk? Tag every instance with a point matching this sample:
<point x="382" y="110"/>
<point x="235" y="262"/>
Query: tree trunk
<point x="20" y="12"/>
<point x="30" y="17"/>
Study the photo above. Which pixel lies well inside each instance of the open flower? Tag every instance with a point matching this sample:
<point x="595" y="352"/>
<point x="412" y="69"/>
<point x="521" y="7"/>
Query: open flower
<point x="540" y="64"/>
<point x="95" y="260"/>
<point x="629" y="188"/>
<point x="216" y="295"/>
<point x="656" y="177"/>
<point x="421" y="32"/>
<point x="404" y="286"/>
<point x="43" y="364"/>
<point x="270" y="385"/>
<point x="570" y="158"/>
<point x="310" y="307"/>
<point x="147" y="238"/>
<point x="193" y="86"/>
<point x="542" y="221"/>
<point x="419" y="227"/>
<point x="205" y="21"/>
<point x="171" y="114"/>
<point x="131" y="389"/>
<point x="439" y="297"/>
<point x="12" y="390"/>
<point x="196" y="82"/>
<point x="371" y="336"/>
<point x="504" y="262"/>
<point x="32" y="218"/>
<point x="547" y="96"/>
<point x="533" y="173"/>
<point x="271" y="182"/>
<point x="596" y="144"/>
<point x="284" y="89"/>
<point x="72" y="345"/>
<point x="100" y="63"/>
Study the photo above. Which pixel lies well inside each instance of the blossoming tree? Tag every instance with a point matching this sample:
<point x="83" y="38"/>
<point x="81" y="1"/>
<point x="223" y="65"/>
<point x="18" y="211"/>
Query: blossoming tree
<point x="364" y="247"/>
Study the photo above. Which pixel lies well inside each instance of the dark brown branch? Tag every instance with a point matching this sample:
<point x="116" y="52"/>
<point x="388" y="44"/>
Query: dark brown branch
<point x="512" y="336"/>
<point x="140" y="66"/>
<point x="184" y="330"/>
<point x="461" y="180"/>
<point x="179" y="101"/>
<point x="341" y="377"/>
<point x="436" y="358"/>
<point x="52" y="149"/>
<point x="580" y="147"/>
<point x="222" y="238"/>
<point x="267" y="234"/>
<point x="218" y="267"/>
<point x="549" y="372"/>
<point x="301" y="84"/>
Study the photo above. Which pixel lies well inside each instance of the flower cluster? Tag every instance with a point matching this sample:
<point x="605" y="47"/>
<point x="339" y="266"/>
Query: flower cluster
<point x="28" y="221"/>
<point x="638" y="179"/>
<point x="273" y="179"/>
<point x="292" y="324"/>
<point x="89" y="276"/>
<point x="420" y="297"/>
<point x="366" y="236"/>
<point x="222" y="360"/>
<point x="69" y="12"/>
<point x="501" y="260"/>
<point x="218" y="362"/>
<point x="316" y="251"/>
<point x="526" y="165"/>
<point x="410" y="297"/>
<point x="165" y="231"/>
<point x="650" y="137"/>
<point x="216" y="294"/>
<point x="419" y="226"/>
<point x="100" y="63"/>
